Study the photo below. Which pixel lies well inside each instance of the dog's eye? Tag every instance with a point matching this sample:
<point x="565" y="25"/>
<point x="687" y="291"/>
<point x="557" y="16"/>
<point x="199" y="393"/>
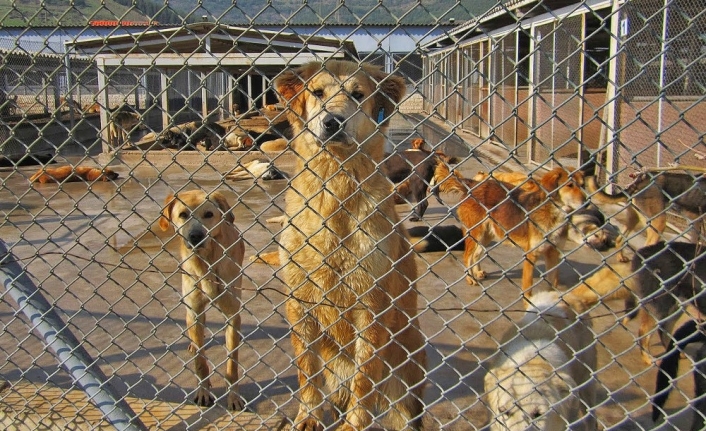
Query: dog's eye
<point x="319" y="93"/>
<point x="357" y="95"/>
<point x="208" y="214"/>
<point x="183" y="215"/>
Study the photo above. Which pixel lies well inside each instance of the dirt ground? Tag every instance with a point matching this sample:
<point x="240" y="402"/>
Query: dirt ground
<point x="95" y="253"/>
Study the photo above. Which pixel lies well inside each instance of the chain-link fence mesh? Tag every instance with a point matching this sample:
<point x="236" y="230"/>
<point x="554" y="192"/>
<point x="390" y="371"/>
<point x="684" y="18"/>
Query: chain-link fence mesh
<point x="221" y="216"/>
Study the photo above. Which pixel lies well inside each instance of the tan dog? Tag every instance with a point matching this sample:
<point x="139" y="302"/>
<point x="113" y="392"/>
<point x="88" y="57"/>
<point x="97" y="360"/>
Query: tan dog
<point x="67" y="174"/>
<point x="532" y="219"/>
<point x="541" y="378"/>
<point x="610" y="282"/>
<point x="346" y="260"/>
<point x="645" y="203"/>
<point x="121" y="123"/>
<point x="211" y="251"/>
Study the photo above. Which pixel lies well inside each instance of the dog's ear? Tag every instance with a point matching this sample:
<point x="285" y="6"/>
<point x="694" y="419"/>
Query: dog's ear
<point x="290" y="85"/>
<point x="224" y="206"/>
<point x="391" y="89"/>
<point x="166" y="216"/>
<point x="553" y="179"/>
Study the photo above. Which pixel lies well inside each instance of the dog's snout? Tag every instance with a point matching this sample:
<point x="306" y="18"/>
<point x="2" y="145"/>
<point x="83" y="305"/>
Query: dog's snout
<point x="195" y="238"/>
<point x="333" y="124"/>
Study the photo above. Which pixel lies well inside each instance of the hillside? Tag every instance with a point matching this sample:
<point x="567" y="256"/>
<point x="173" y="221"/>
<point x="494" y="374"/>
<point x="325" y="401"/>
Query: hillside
<point x="337" y="12"/>
<point x="64" y="13"/>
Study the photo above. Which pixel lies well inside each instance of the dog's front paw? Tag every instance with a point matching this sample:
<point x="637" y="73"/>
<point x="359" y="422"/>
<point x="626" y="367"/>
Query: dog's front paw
<point x="235" y="402"/>
<point x="203" y="398"/>
<point x="308" y="424"/>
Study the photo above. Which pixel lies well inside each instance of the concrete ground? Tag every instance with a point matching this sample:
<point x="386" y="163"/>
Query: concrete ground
<point x="95" y="253"/>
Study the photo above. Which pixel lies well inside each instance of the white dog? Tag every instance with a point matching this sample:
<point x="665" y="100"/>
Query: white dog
<point x="541" y="377"/>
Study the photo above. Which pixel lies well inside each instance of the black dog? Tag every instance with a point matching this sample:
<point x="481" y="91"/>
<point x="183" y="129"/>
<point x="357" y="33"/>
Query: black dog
<point x="688" y="333"/>
<point x="413" y="170"/>
<point x="666" y="275"/>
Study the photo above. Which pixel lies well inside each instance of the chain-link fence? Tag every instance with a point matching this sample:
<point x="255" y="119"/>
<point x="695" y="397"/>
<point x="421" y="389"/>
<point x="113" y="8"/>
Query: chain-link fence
<point x="388" y="215"/>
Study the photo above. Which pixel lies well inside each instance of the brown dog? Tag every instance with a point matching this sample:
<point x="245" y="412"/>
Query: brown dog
<point x="211" y="252"/>
<point x="346" y="260"/>
<point x="67" y="174"/>
<point x="532" y="219"/>
<point x="586" y="224"/>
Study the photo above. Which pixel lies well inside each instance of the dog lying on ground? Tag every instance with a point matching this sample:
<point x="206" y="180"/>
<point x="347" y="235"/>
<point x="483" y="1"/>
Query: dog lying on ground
<point x="645" y="202"/>
<point x="587" y="224"/>
<point x="413" y="171"/>
<point x="345" y="258"/>
<point x="667" y="277"/>
<point x="533" y="220"/>
<point x="122" y="121"/>
<point x="256" y="169"/>
<point x="688" y="333"/>
<point x="67" y="174"/>
<point x="211" y="252"/>
<point x="541" y="376"/>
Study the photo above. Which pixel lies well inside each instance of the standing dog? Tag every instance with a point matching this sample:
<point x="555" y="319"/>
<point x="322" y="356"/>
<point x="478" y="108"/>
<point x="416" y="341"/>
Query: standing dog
<point x="586" y="224"/>
<point x="541" y="378"/>
<point x="534" y="219"/>
<point x="346" y="259"/>
<point x="645" y="202"/>
<point x="211" y="252"/>
<point x="688" y="333"/>
<point x="413" y="170"/>
<point x="121" y="123"/>
<point x="667" y="277"/>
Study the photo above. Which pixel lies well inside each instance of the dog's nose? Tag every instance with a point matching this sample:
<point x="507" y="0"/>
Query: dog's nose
<point x="195" y="238"/>
<point x="332" y="124"/>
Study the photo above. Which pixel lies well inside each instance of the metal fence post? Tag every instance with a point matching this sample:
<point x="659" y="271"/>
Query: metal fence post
<point x="66" y="347"/>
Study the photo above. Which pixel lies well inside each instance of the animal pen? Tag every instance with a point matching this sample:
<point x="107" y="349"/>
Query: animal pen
<point x="93" y="331"/>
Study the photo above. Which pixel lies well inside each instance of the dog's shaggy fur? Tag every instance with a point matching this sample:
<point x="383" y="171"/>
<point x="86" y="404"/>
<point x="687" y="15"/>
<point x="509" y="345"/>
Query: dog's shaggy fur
<point x="532" y="219"/>
<point x="688" y="333"/>
<point x="541" y="376"/>
<point x="211" y="252"/>
<point x="67" y="174"/>
<point x="645" y="202"/>
<point x="346" y="260"/>
<point x="667" y="277"/>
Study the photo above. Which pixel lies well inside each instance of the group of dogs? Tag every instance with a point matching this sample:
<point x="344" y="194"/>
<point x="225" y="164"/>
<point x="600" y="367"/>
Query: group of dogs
<point x="350" y="272"/>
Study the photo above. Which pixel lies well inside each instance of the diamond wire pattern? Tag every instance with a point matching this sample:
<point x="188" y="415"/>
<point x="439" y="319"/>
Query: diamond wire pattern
<point x="120" y="293"/>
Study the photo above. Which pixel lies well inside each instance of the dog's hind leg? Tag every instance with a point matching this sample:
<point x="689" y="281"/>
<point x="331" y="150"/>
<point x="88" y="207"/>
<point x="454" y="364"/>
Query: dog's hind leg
<point x="644" y="334"/>
<point x="229" y="304"/>
<point x="471" y="257"/>
<point x="655" y="227"/>
<point x="551" y="264"/>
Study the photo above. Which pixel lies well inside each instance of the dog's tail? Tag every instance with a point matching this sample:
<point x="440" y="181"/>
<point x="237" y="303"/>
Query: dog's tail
<point x="446" y="181"/>
<point x="36" y="175"/>
<point x="688" y="333"/>
<point x="601" y="197"/>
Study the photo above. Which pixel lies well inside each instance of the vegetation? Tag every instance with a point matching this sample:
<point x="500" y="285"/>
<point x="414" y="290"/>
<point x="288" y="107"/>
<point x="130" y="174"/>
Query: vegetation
<point x="71" y="13"/>
<point x="65" y="13"/>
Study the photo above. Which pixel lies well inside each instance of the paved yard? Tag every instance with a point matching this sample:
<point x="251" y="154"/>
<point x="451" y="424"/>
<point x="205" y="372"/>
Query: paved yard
<point x="95" y="253"/>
